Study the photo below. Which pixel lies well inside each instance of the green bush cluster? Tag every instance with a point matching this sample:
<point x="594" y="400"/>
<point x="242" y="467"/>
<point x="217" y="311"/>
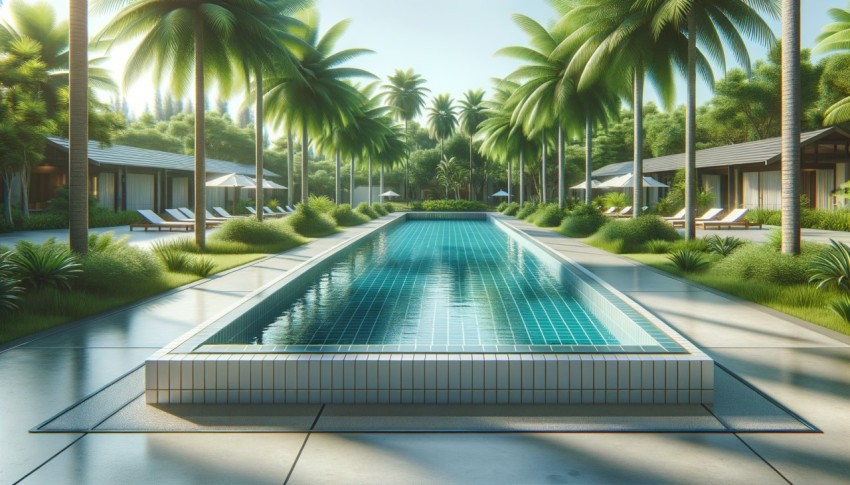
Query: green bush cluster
<point x="688" y="260"/>
<point x="248" y="230"/>
<point x="582" y="221"/>
<point x="379" y="208"/>
<point x="389" y="207"/>
<point x="510" y="209"/>
<point x="629" y="235"/>
<point x="526" y="210"/>
<point x="761" y="263"/>
<point x="321" y="204"/>
<point x="548" y="215"/>
<point x="454" y="205"/>
<point x="502" y="206"/>
<point x="113" y="267"/>
<point x="367" y="210"/>
<point x="346" y="216"/>
<point x="309" y="222"/>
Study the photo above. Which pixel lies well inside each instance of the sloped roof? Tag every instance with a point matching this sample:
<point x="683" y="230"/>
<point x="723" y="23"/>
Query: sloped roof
<point x="141" y="157"/>
<point x="765" y="151"/>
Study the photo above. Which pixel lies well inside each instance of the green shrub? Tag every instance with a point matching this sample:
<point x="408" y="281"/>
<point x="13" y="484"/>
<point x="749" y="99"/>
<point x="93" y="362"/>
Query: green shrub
<point x="688" y="260"/>
<point x="511" y="209"/>
<point x="367" y="210"/>
<point x="759" y="262"/>
<point x="502" y="206"/>
<point x="582" y="221"/>
<point x="694" y="244"/>
<point x="115" y="268"/>
<point x="48" y="265"/>
<point x="832" y="267"/>
<point x="321" y="204"/>
<point x="10" y="288"/>
<point x="201" y="266"/>
<point x="346" y="216"/>
<point x="45" y="220"/>
<point x="549" y="215"/>
<point x="526" y="210"/>
<point x="417" y="206"/>
<point x="309" y="222"/>
<point x="632" y="234"/>
<point x="379" y="208"/>
<point x="803" y="296"/>
<point x="454" y="205"/>
<point x="250" y="231"/>
<point x="101" y="217"/>
<point x="841" y="307"/>
<point x="657" y="246"/>
<point x="723" y="245"/>
<point x="615" y="199"/>
<point x="174" y="259"/>
<point x="389" y="207"/>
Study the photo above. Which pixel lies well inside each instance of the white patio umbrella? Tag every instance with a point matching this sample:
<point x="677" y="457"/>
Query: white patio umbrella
<point x="501" y="193"/>
<point x="267" y="184"/>
<point x="389" y="193"/>
<point x="593" y="185"/>
<point x="234" y="180"/>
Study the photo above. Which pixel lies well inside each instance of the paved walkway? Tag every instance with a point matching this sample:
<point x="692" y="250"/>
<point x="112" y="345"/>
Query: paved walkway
<point x="805" y="369"/>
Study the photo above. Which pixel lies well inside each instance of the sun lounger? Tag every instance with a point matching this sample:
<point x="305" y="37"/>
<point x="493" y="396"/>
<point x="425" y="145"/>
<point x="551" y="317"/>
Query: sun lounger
<point x="610" y="211"/>
<point x="624" y="212"/>
<point x="281" y="210"/>
<point x="181" y="217"/>
<point x="290" y="209"/>
<point x="191" y="215"/>
<point x="709" y="215"/>
<point x="224" y="214"/>
<point x="676" y="216"/>
<point x="158" y="223"/>
<point x="733" y="219"/>
<point x="251" y="210"/>
<point x="267" y="211"/>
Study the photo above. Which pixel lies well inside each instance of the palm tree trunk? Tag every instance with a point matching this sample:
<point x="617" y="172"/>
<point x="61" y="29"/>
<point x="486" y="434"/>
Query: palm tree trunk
<point x="510" y="185"/>
<point x="338" y="177"/>
<point x="561" y="193"/>
<point x="370" y="179"/>
<point x="304" y="141"/>
<point x="406" y="160"/>
<point x="351" y="184"/>
<point x="200" y="141"/>
<point x="690" y="131"/>
<point x="521" y="177"/>
<point x="791" y="126"/>
<point x="78" y="215"/>
<point x="290" y="159"/>
<point x="637" y="170"/>
<point x="258" y="135"/>
<point x="588" y="161"/>
<point x="543" y="166"/>
<point x="470" y="168"/>
<point x="381" y="181"/>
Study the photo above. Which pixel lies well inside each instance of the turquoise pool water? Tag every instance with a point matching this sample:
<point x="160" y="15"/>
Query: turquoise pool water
<point x="450" y="285"/>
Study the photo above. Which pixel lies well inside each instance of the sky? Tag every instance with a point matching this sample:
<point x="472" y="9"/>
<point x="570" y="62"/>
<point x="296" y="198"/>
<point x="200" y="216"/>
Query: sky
<point x="451" y="43"/>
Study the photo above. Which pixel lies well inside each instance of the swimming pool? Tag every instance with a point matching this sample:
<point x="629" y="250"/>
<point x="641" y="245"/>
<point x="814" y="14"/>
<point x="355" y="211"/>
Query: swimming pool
<point x="435" y="311"/>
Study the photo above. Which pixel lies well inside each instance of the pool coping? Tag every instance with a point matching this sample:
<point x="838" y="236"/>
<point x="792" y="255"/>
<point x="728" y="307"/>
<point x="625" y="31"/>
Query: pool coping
<point x="178" y="373"/>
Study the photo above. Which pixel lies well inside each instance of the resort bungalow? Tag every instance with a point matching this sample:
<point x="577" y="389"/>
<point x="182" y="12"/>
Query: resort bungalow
<point x="129" y="178"/>
<point x="749" y="174"/>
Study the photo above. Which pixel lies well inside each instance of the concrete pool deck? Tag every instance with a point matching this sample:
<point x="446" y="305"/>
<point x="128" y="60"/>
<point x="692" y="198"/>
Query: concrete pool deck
<point x="805" y="369"/>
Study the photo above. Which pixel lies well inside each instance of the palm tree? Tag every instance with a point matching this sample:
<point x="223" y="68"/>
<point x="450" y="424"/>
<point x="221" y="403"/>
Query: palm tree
<point x="716" y="23"/>
<point x="471" y="115"/>
<point x="612" y="33"/>
<point x="442" y="119"/>
<point x="405" y="94"/>
<point x="37" y="21"/>
<point x="546" y="98"/>
<point x="175" y="35"/>
<point x="78" y="126"/>
<point x="318" y="95"/>
<point x="502" y="140"/>
<point x="835" y="37"/>
<point x="791" y="115"/>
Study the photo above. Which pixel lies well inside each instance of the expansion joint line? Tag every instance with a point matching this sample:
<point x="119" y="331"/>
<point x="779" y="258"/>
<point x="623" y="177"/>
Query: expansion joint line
<point x="304" y="444"/>
<point x="763" y="459"/>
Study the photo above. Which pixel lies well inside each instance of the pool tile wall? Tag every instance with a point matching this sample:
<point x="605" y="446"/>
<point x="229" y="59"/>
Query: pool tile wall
<point x="186" y="371"/>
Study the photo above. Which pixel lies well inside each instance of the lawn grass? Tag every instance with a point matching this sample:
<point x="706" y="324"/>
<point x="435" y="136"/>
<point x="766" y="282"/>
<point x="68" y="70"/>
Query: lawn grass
<point x="49" y="309"/>
<point x="802" y="301"/>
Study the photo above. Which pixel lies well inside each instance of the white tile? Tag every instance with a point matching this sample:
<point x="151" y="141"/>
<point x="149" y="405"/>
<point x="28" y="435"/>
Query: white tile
<point x="245" y="372"/>
<point x="150" y="375"/>
<point x="695" y="375"/>
<point x="430" y="375"/>
<point x="466" y="371"/>
<point x="187" y="375"/>
<point x="198" y="379"/>
<point x="452" y="372"/>
<point x="539" y="363"/>
<point x="314" y="371"/>
<point x="442" y="371"/>
<point x="514" y="372"/>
